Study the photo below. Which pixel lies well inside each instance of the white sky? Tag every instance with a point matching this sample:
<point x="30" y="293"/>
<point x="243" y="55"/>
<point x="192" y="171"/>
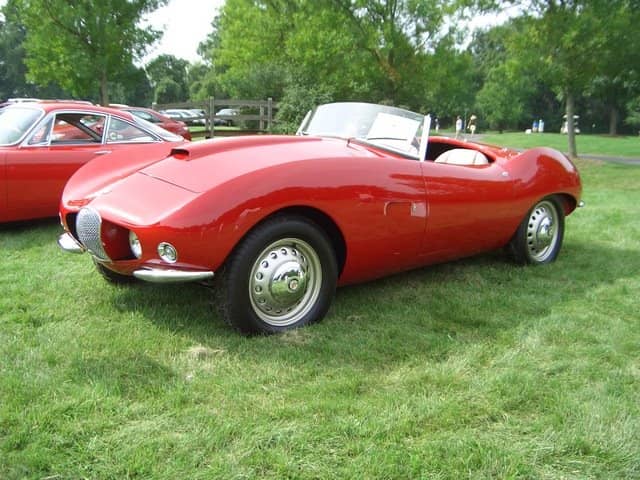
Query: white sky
<point x="185" y="24"/>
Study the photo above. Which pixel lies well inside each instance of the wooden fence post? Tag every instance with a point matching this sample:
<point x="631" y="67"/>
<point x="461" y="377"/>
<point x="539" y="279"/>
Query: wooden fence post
<point x="212" y="112"/>
<point x="269" y="113"/>
<point x="261" y="127"/>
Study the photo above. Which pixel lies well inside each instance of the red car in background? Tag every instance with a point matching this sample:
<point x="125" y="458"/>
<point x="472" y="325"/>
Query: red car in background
<point x="280" y="221"/>
<point x="42" y="143"/>
<point x="150" y="115"/>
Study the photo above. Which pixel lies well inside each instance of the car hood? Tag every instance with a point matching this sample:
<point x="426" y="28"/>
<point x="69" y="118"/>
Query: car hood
<point x="103" y="171"/>
<point x="199" y="166"/>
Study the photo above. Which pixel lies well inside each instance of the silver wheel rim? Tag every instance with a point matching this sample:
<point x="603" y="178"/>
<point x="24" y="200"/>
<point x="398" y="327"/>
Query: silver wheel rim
<point x="285" y="282"/>
<point x="542" y="231"/>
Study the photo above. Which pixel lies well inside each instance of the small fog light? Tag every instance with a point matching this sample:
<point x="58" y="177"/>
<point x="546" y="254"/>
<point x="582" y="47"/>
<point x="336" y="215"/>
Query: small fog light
<point x="134" y="244"/>
<point x="167" y="252"/>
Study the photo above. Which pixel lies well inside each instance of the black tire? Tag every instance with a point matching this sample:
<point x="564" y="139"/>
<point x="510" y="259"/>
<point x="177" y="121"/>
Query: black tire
<point x="113" y="277"/>
<point x="538" y="239"/>
<point x="281" y="276"/>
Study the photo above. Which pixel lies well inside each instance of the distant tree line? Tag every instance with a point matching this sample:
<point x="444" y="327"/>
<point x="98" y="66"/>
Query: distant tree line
<point x="551" y="58"/>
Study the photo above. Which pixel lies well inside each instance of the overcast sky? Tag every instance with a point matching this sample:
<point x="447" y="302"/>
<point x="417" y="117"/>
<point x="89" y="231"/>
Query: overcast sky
<point x="185" y="23"/>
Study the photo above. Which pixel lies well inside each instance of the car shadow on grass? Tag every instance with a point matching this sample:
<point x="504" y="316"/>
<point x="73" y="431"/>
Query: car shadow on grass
<point x="429" y="312"/>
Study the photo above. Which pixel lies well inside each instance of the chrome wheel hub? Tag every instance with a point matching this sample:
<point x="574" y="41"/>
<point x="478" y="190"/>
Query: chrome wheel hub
<point x="542" y="231"/>
<point x="285" y="281"/>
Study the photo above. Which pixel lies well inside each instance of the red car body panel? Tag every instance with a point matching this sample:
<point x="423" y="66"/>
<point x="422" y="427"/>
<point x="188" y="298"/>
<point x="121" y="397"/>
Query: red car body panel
<point x="389" y="212"/>
<point x="32" y="177"/>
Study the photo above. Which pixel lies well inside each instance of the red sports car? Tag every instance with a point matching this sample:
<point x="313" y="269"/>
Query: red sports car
<point x="43" y="143"/>
<point x="280" y="221"/>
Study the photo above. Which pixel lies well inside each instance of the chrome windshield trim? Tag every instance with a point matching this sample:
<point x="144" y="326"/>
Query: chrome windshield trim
<point x="424" y="140"/>
<point x="69" y="244"/>
<point x="158" y="275"/>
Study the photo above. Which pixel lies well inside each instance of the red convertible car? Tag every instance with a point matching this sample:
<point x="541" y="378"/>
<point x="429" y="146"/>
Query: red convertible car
<point x="279" y="221"/>
<point x="42" y="143"/>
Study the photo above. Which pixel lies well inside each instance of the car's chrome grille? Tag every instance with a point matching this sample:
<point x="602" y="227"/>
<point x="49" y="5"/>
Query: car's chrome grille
<point x="88" y="227"/>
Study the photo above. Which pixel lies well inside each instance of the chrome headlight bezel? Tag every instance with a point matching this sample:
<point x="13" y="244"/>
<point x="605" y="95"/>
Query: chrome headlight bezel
<point x="167" y="252"/>
<point x="134" y="244"/>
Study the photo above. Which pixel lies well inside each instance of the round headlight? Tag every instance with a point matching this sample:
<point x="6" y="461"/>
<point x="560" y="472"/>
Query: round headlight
<point x="168" y="252"/>
<point x="134" y="244"/>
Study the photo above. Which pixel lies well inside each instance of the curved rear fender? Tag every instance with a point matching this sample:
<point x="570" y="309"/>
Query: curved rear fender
<point x="541" y="172"/>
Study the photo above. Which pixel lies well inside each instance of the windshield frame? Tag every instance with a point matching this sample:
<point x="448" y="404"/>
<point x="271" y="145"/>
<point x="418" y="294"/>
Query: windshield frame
<point x="39" y="113"/>
<point x="381" y="126"/>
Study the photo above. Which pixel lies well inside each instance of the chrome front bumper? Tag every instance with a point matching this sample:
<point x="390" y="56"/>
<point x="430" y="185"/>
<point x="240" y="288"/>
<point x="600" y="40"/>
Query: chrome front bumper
<point x="158" y="275"/>
<point x="68" y="243"/>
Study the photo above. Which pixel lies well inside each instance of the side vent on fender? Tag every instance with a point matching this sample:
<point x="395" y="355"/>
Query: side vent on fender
<point x="180" y="154"/>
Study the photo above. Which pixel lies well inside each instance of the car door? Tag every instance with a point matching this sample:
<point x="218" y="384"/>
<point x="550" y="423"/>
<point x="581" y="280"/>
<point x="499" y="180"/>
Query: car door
<point x="467" y="208"/>
<point x="38" y="169"/>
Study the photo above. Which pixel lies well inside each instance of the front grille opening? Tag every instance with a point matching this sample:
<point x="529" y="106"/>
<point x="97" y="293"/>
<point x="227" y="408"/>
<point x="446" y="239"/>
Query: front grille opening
<point x="71" y="224"/>
<point x="116" y="241"/>
<point x="88" y="225"/>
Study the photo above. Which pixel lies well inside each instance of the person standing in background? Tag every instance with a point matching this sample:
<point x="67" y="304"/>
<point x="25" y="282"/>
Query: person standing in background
<point x="472" y="124"/>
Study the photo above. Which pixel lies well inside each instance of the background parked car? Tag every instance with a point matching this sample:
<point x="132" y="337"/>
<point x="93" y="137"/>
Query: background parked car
<point x="225" y="112"/>
<point x="186" y="116"/>
<point x="42" y="143"/>
<point x="176" y="126"/>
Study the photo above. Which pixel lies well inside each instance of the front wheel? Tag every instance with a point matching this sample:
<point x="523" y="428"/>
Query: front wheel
<point x="282" y="276"/>
<point x="539" y="237"/>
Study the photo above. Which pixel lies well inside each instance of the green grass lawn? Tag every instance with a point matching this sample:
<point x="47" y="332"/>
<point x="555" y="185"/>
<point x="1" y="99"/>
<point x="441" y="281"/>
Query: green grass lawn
<point x="586" y="144"/>
<point x="469" y="370"/>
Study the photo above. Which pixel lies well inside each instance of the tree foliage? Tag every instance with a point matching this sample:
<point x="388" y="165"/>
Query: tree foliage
<point x="83" y="44"/>
<point x="12" y="53"/>
<point x="168" y="73"/>
<point x="349" y="49"/>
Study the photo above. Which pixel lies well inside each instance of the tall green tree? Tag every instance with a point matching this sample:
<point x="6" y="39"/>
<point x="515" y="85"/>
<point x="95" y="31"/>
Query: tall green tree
<point x="567" y="40"/>
<point x="13" y="82"/>
<point x="84" y="44"/>
<point x="349" y="49"/>
<point x="619" y="63"/>
<point x="167" y="70"/>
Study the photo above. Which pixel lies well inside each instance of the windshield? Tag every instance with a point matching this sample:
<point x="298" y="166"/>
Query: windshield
<point x="15" y="122"/>
<point x="380" y="125"/>
<point x="161" y="132"/>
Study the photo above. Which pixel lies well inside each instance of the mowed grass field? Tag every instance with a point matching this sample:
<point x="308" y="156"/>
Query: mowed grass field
<point x="469" y="370"/>
<point x="604" y="145"/>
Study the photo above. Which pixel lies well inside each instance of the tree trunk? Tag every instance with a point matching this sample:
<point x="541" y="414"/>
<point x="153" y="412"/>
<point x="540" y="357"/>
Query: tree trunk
<point x="104" y="90"/>
<point x="614" y="117"/>
<point x="571" y="129"/>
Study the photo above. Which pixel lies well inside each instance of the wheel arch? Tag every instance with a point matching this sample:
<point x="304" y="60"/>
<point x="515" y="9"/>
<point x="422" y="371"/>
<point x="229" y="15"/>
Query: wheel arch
<point x="320" y="218"/>
<point x="567" y="201"/>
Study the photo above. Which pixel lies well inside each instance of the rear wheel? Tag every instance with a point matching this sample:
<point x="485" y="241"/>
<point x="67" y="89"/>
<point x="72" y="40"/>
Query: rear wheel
<point x="282" y="276"/>
<point x="539" y="237"/>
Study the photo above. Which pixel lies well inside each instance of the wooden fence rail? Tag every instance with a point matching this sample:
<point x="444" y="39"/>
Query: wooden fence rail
<point x="259" y="111"/>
